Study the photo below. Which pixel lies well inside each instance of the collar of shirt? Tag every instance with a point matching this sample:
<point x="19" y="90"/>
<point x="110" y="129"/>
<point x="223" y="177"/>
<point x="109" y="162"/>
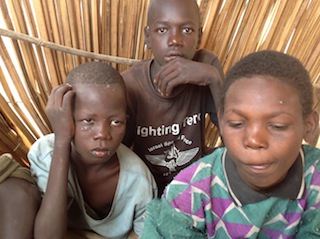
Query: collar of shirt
<point x="292" y="187"/>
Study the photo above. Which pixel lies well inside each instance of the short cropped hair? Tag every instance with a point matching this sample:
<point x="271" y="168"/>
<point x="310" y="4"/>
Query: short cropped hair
<point x="94" y="73"/>
<point x="154" y="4"/>
<point x="277" y="65"/>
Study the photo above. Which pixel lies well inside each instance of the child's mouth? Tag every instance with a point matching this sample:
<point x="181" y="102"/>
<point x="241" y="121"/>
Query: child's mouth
<point x="172" y="57"/>
<point x="100" y="153"/>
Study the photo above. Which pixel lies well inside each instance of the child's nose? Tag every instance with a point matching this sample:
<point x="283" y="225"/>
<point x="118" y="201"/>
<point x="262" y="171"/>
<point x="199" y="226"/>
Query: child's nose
<point x="256" y="137"/>
<point x="103" y="131"/>
<point x="175" y="39"/>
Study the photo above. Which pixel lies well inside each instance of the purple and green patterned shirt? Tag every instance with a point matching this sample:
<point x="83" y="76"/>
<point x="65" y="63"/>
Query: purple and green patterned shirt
<point x="203" y="202"/>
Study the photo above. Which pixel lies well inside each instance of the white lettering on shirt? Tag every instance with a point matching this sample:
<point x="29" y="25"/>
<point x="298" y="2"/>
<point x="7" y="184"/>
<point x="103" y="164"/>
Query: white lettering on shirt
<point x="173" y="129"/>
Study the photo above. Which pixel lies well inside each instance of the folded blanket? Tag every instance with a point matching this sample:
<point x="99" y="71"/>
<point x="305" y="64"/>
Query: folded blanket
<point x="11" y="168"/>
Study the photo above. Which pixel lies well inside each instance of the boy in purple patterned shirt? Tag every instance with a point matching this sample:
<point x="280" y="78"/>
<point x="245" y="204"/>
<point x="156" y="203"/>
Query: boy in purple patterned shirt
<point x="264" y="183"/>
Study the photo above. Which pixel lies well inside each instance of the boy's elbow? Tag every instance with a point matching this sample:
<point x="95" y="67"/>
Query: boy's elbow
<point x="46" y="230"/>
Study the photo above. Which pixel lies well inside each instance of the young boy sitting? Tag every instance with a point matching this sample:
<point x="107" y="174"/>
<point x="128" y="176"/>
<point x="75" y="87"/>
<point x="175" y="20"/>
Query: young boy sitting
<point x="89" y="180"/>
<point x="265" y="183"/>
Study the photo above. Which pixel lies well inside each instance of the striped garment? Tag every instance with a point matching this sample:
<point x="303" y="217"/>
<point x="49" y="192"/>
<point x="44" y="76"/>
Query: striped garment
<point x="197" y="204"/>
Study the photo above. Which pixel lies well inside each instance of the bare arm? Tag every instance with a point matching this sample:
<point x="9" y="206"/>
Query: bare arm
<point x="51" y="220"/>
<point x="182" y="71"/>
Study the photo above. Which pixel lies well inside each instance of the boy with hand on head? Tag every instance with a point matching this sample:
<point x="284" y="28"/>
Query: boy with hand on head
<point x="89" y="179"/>
<point x="265" y="183"/>
<point x="169" y="95"/>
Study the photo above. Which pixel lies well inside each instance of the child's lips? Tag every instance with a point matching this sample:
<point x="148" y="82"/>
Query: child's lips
<point x="171" y="57"/>
<point x="100" y="152"/>
<point x="260" y="168"/>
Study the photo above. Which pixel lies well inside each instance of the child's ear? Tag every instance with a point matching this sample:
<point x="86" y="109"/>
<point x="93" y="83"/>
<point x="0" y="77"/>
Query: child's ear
<point x="311" y="134"/>
<point x="146" y="37"/>
<point x="200" y="37"/>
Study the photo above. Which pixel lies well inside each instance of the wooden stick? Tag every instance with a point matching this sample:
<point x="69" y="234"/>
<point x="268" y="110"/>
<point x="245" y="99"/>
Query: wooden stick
<point x="70" y="50"/>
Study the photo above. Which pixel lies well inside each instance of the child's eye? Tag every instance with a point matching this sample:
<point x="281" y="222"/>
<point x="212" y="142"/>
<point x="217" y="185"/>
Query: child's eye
<point x="278" y="127"/>
<point x="236" y="124"/>
<point x="187" y="30"/>
<point x="87" y="121"/>
<point x="116" y="123"/>
<point x="161" y="30"/>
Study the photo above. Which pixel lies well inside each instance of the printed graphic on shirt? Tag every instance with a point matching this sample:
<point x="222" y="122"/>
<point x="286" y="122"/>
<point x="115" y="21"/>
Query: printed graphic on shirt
<point x="176" y="158"/>
<point x="171" y="146"/>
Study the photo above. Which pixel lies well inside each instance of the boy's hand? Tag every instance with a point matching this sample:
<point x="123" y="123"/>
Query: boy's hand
<point x="181" y="71"/>
<point x="59" y="111"/>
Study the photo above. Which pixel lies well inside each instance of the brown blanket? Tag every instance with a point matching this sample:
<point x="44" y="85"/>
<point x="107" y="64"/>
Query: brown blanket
<point x="11" y="168"/>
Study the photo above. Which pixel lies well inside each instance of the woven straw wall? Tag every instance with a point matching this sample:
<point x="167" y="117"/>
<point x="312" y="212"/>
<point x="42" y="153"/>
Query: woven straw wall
<point x="41" y="41"/>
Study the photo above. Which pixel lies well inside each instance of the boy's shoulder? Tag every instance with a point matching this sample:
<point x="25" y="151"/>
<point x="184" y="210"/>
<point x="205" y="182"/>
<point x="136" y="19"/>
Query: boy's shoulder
<point x="312" y="156"/>
<point x="40" y="153"/>
<point x="205" y="56"/>
<point x="43" y="146"/>
<point x="132" y="166"/>
<point x="130" y="161"/>
<point x="136" y="68"/>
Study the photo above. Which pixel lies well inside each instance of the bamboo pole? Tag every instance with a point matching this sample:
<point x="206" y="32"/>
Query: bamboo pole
<point x="95" y="27"/>
<point x="73" y="27"/>
<point x="113" y="28"/>
<point x="69" y="50"/>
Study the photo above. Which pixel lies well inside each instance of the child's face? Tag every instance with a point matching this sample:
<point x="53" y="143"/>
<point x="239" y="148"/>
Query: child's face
<point x="263" y="128"/>
<point x="174" y="30"/>
<point x="100" y="121"/>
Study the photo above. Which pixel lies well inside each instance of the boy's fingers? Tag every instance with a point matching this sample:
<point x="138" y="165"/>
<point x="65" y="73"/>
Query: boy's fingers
<point x="67" y="100"/>
<point x="57" y="95"/>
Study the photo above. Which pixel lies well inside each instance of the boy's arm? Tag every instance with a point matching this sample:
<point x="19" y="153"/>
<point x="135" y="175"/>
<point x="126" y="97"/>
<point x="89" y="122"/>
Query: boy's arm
<point x="51" y="220"/>
<point x="183" y="71"/>
<point x="163" y="221"/>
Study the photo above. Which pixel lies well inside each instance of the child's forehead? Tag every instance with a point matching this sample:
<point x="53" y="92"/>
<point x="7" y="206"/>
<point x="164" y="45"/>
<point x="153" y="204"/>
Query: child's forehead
<point x="97" y="93"/>
<point x="96" y="86"/>
<point x="262" y="85"/>
<point x="263" y="97"/>
<point x="161" y="10"/>
<point x="256" y="81"/>
<point x="85" y="89"/>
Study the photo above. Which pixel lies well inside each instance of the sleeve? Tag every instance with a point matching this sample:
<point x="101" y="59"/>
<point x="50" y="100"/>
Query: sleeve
<point x="309" y="225"/>
<point x="40" y="160"/>
<point x="209" y="107"/>
<point x="213" y="114"/>
<point x="40" y="156"/>
<point x="163" y="221"/>
<point x="210" y="58"/>
<point x="148" y="192"/>
<point x="131" y="102"/>
<point x="180" y="213"/>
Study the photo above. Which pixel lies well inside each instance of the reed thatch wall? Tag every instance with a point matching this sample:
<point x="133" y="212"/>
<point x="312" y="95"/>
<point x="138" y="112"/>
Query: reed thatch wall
<point x="58" y="35"/>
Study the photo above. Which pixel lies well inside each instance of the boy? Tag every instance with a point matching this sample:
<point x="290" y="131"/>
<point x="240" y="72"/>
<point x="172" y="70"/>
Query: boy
<point x="265" y="183"/>
<point x="169" y="95"/>
<point x="89" y="179"/>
